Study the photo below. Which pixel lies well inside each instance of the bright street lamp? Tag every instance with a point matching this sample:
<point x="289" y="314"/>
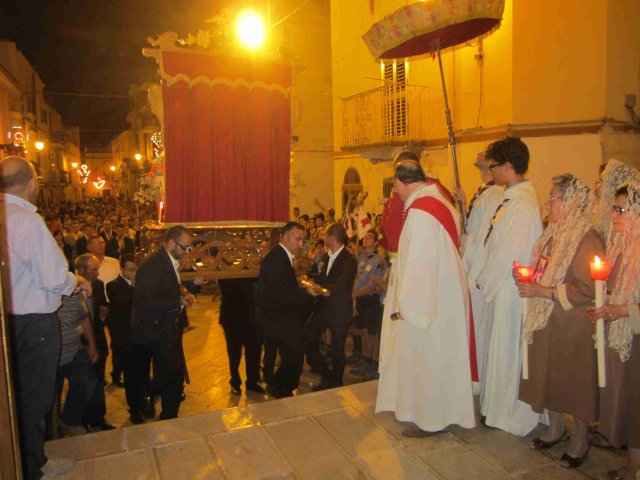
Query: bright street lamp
<point x="74" y="164"/>
<point x="112" y="168"/>
<point x="39" y="144"/>
<point x="250" y="28"/>
<point x="138" y="157"/>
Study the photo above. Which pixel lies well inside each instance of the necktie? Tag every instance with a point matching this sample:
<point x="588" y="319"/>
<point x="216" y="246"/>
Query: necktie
<point x="493" y="220"/>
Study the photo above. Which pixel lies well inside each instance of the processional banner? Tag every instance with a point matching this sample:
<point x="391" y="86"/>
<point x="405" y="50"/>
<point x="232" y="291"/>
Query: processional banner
<point x="227" y="136"/>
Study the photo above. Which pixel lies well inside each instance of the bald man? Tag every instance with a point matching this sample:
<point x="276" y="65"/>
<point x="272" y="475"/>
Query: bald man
<point x="39" y="277"/>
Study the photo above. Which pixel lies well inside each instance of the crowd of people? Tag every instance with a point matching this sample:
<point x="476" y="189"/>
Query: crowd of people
<point x="436" y="304"/>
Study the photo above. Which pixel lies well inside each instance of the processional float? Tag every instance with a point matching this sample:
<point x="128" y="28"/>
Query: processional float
<point x="226" y="129"/>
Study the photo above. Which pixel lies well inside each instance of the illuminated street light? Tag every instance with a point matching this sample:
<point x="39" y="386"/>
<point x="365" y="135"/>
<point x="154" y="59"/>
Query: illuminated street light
<point x="113" y="168"/>
<point x="74" y="164"/>
<point x="250" y="28"/>
<point x="39" y="144"/>
<point x="138" y="157"/>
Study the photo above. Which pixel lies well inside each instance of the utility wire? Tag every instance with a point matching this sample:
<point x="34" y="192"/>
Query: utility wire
<point x="71" y="94"/>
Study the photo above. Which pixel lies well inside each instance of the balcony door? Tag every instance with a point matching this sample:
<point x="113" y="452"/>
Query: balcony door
<point x="395" y="100"/>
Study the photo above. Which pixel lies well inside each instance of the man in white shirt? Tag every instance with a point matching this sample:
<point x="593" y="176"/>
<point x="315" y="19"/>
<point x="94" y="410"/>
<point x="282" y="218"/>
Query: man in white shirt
<point x="109" y="267"/>
<point x="333" y="312"/>
<point x="39" y="276"/>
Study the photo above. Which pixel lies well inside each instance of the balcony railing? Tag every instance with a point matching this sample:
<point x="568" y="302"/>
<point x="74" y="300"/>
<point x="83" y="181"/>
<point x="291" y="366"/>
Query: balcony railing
<point x="393" y="114"/>
<point x="56" y="177"/>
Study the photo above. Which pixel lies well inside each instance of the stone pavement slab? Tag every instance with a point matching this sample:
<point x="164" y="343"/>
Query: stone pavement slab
<point x="188" y="459"/>
<point x="310" y="451"/>
<point x="249" y="453"/>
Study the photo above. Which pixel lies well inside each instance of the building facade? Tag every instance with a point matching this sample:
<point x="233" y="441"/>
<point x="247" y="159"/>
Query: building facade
<point x="557" y="74"/>
<point x="30" y="123"/>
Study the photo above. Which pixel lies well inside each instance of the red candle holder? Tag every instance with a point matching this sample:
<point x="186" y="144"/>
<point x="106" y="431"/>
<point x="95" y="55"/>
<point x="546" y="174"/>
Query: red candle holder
<point x="526" y="273"/>
<point x="599" y="269"/>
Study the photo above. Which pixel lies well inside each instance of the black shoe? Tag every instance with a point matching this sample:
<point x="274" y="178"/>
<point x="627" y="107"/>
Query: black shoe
<point x="254" y="387"/>
<point x="278" y="392"/>
<point x="236" y="390"/>
<point x="136" y="418"/>
<point x="100" y="427"/>
<point x="148" y="408"/>
<point x="539" y="444"/>
<point x="567" y="461"/>
<point x="322" y="386"/>
<point x="183" y="397"/>
<point x="118" y="383"/>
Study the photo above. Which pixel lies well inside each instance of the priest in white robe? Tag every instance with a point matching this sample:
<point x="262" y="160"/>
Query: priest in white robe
<point x="425" y="372"/>
<point x="513" y="230"/>
<point x="482" y="206"/>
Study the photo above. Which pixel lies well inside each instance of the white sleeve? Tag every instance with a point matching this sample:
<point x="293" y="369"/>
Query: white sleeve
<point x="48" y="265"/>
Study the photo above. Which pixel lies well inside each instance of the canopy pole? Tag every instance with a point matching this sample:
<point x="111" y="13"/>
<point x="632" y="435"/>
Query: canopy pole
<point x="452" y="138"/>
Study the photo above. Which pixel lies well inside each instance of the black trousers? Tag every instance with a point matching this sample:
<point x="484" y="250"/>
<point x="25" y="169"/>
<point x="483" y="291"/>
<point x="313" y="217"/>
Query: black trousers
<point x="318" y="323"/>
<point x="284" y="335"/>
<point x="36" y="352"/>
<point x="118" y="360"/>
<point x="82" y="385"/>
<point x="97" y="408"/>
<point x="269" y="359"/>
<point x="287" y="376"/>
<point x="238" y="335"/>
<point x="137" y="376"/>
<point x="168" y="373"/>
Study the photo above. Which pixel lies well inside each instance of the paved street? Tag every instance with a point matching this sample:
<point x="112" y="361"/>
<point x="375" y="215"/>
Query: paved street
<point x="327" y="435"/>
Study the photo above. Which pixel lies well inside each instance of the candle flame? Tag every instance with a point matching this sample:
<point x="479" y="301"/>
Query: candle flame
<point x="597" y="260"/>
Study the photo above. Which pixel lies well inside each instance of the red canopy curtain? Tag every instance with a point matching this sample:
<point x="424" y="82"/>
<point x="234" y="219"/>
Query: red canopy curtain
<point x="227" y="134"/>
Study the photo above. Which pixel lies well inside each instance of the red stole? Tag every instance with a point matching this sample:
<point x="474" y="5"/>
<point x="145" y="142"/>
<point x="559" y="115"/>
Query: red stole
<point x="442" y="214"/>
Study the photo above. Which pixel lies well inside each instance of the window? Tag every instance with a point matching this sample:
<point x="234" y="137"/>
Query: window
<point x="351" y="186"/>
<point x="395" y="81"/>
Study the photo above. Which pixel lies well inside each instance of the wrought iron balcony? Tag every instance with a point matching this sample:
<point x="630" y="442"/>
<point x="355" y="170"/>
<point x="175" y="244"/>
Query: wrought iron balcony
<point x="56" y="177"/>
<point x="393" y="114"/>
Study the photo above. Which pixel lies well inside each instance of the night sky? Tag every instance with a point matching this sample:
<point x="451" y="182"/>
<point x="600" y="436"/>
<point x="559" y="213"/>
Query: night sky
<point x="94" y="47"/>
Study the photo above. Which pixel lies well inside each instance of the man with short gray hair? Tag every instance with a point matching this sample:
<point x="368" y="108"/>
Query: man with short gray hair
<point x="38" y="278"/>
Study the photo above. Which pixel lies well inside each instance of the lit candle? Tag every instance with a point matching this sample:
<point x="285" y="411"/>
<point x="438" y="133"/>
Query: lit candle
<point x="160" y="205"/>
<point x="526" y="276"/>
<point x="600" y="273"/>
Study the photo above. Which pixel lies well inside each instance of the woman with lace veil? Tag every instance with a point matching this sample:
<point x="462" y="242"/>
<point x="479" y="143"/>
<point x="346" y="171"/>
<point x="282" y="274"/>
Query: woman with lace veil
<point x="615" y="175"/>
<point x="562" y="360"/>
<point x="620" y="399"/>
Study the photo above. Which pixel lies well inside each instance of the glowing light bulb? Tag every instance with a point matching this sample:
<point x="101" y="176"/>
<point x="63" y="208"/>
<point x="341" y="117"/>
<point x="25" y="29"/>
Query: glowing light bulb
<point x="250" y="28"/>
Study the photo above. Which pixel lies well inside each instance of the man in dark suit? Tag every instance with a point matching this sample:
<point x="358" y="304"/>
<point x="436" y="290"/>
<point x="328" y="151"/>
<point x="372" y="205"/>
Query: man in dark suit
<point x="120" y="293"/>
<point x="83" y="240"/>
<point x="333" y="312"/>
<point x="238" y="320"/>
<point x="281" y="304"/>
<point x="120" y="243"/>
<point x="156" y="324"/>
